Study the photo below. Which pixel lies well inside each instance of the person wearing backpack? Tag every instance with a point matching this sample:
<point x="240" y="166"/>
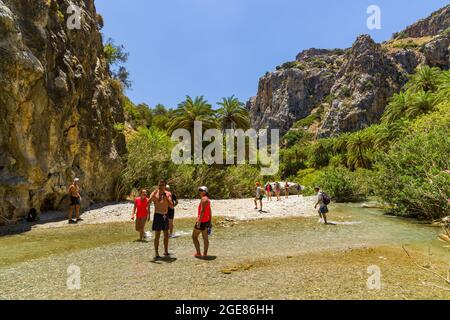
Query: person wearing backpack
<point x="323" y="200"/>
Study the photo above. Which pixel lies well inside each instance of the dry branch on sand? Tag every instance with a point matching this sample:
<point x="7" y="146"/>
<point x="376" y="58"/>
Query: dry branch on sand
<point x="428" y="268"/>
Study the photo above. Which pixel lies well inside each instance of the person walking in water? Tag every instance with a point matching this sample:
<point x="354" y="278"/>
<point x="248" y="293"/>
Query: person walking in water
<point x="278" y="191"/>
<point x="286" y="190"/>
<point x="75" y="201"/>
<point x="322" y="201"/>
<point x="162" y="201"/>
<point x="141" y="211"/>
<point x="269" y="191"/>
<point x="171" y="213"/>
<point x="259" y="195"/>
<point x="203" y="223"/>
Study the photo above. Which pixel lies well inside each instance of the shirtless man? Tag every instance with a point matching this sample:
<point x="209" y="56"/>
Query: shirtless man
<point x="162" y="201"/>
<point x="75" y="201"/>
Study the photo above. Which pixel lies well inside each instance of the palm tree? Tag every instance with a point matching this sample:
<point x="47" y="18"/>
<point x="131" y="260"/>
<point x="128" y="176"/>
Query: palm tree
<point x="443" y="93"/>
<point x="387" y="133"/>
<point x="422" y="103"/>
<point x="358" y="145"/>
<point x="190" y="111"/>
<point x="426" y="79"/>
<point x="397" y="107"/>
<point x="232" y="114"/>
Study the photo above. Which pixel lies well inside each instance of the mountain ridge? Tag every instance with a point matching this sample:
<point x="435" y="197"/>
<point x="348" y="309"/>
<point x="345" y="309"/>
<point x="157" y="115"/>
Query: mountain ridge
<point x="351" y="86"/>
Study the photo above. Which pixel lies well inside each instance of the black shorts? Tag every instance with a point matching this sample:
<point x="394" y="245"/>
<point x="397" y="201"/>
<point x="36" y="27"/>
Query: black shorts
<point x="171" y="214"/>
<point x="160" y="222"/>
<point x="74" y="201"/>
<point x="203" y="226"/>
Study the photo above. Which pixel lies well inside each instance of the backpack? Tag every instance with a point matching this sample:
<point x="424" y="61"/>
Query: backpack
<point x="326" y="198"/>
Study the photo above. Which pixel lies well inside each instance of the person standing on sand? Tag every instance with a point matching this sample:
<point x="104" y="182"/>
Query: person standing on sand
<point x="162" y="201"/>
<point x="141" y="210"/>
<point x="259" y="197"/>
<point x="75" y="201"/>
<point x="203" y="223"/>
<point x="278" y="191"/>
<point x="286" y="189"/>
<point x="299" y="189"/>
<point x="322" y="203"/>
<point x="171" y="213"/>
<point x="269" y="191"/>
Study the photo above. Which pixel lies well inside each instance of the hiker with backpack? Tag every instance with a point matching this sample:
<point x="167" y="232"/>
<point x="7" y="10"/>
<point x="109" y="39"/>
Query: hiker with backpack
<point x="323" y="200"/>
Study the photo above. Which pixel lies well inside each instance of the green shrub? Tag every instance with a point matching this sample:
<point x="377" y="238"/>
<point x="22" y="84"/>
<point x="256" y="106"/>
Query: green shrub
<point x="149" y="159"/>
<point x="119" y="127"/>
<point x="411" y="174"/>
<point x="309" y="178"/>
<point x="341" y="184"/>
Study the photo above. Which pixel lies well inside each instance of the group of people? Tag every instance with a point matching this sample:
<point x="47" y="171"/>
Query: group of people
<point x="165" y="202"/>
<point x="270" y="189"/>
<point x="322" y="198"/>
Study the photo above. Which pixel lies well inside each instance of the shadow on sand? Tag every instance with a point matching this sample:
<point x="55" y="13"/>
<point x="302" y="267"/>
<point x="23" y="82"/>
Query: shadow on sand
<point x="164" y="260"/>
<point x="23" y="226"/>
<point x="208" y="258"/>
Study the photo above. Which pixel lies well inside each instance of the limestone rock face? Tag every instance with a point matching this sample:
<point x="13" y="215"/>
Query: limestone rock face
<point x="433" y="25"/>
<point x="352" y="86"/>
<point x="365" y="82"/>
<point x="58" y="108"/>
<point x="290" y="93"/>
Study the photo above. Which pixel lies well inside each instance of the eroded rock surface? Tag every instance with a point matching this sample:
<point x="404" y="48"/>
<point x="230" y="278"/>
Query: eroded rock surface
<point x="353" y="84"/>
<point x="58" y="108"/>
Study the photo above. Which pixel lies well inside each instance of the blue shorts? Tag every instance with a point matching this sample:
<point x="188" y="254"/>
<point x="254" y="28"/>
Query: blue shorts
<point x="323" y="210"/>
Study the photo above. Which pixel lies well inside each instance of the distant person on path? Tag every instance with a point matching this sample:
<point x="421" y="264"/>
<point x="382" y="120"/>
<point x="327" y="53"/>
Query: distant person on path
<point x="171" y="213"/>
<point x="203" y="223"/>
<point x="299" y="189"/>
<point x="75" y="201"/>
<point x="322" y="201"/>
<point x="162" y="201"/>
<point x="269" y="191"/>
<point x="286" y="189"/>
<point x="278" y="191"/>
<point x="141" y="211"/>
<point x="259" y="195"/>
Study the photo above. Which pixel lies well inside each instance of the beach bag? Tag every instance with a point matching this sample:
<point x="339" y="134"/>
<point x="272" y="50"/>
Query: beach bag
<point x="326" y="199"/>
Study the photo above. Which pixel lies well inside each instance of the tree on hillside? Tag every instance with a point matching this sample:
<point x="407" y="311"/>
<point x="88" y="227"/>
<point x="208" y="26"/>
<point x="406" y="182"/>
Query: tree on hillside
<point x="443" y="93"/>
<point x="422" y="103"/>
<point x="425" y="79"/>
<point x="117" y="57"/>
<point x="397" y="107"/>
<point x="162" y="117"/>
<point x="232" y="114"/>
<point x="358" y="145"/>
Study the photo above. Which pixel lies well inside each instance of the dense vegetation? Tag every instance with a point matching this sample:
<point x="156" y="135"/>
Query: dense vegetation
<point x="402" y="160"/>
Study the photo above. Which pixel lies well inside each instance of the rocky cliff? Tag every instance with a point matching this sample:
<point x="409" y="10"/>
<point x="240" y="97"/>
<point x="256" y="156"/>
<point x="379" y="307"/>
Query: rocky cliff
<point x="350" y="87"/>
<point x="58" y="108"/>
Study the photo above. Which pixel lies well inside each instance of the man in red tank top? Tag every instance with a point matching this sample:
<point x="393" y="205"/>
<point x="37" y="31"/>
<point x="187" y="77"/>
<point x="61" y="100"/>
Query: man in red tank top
<point x="141" y="210"/>
<point x="203" y="223"/>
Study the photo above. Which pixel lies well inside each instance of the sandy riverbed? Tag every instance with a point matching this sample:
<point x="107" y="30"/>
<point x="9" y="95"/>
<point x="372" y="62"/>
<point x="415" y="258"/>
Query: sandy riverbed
<point x="237" y="209"/>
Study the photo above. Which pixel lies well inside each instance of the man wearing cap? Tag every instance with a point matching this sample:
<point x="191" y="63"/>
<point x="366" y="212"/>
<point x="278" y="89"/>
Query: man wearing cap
<point x="75" y="201"/>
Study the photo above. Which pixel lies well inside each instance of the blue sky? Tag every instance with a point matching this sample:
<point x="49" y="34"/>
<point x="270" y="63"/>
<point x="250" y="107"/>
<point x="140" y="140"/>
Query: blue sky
<point x="218" y="48"/>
